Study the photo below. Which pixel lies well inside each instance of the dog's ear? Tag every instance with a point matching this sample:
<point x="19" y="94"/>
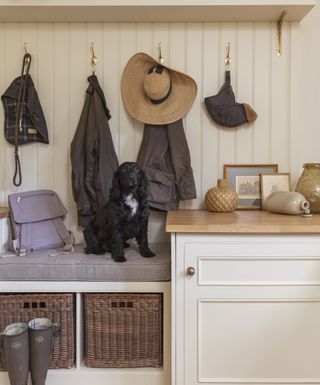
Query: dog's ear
<point x="143" y="186"/>
<point x="115" y="188"/>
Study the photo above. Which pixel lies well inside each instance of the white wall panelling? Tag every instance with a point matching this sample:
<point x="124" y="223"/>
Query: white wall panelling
<point x="61" y="63"/>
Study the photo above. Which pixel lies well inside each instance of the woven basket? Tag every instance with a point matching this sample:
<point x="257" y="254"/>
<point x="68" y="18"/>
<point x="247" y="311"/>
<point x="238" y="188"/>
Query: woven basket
<point x="58" y="308"/>
<point x="123" y="330"/>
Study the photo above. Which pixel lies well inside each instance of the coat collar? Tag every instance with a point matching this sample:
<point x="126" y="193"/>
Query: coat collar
<point x="94" y="85"/>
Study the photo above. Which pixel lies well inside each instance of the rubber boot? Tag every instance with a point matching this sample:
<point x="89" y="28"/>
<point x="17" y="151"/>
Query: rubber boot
<point x="15" y="345"/>
<point x="41" y="331"/>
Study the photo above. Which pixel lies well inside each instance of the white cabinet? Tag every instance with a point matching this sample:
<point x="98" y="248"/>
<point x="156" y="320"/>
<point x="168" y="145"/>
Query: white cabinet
<point x="250" y="313"/>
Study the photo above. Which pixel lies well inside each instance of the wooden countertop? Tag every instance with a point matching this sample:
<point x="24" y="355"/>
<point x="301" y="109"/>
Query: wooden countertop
<point x="4" y="212"/>
<point x="240" y="222"/>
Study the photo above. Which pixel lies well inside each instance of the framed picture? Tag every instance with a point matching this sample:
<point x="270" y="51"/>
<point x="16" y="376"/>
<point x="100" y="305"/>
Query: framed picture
<point x="245" y="179"/>
<point x="271" y="182"/>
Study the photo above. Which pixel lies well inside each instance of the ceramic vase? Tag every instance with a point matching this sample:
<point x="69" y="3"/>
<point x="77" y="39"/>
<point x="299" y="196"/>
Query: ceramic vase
<point x="221" y="199"/>
<point x="309" y="185"/>
<point x="287" y="202"/>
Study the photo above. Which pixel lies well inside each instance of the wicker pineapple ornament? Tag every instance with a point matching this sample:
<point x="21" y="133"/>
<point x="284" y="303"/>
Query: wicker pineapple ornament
<point x="221" y="199"/>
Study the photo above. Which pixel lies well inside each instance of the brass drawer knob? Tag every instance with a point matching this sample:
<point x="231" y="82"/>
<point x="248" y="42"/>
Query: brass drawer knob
<point x="191" y="271"/>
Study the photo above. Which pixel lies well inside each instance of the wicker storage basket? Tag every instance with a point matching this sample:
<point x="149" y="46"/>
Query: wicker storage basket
<point x="123" y="330"/>
<point x="58" y="308"/>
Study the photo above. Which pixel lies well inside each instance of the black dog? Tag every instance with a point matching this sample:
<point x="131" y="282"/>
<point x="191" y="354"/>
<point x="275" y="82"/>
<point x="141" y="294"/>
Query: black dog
<point x="125" y="216"/>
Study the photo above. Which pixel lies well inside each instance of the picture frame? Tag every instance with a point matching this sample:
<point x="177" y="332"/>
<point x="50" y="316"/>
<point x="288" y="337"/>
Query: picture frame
<point x="271" y="182"/>
<point x="245" y="179"/>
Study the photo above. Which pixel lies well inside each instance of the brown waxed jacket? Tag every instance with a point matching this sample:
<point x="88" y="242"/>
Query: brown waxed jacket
<point x="165" y="158"/>
<point x="93" y="157"/>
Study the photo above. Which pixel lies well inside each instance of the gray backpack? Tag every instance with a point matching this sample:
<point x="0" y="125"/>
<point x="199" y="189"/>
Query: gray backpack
<point x="36" y="222"/>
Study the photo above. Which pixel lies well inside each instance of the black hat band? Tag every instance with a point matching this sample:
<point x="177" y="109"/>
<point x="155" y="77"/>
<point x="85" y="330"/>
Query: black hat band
<point x="158" y="70"/>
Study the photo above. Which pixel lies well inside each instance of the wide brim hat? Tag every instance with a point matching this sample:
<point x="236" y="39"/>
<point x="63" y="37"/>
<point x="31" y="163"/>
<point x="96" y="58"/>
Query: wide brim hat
<point x="177" y="101"/>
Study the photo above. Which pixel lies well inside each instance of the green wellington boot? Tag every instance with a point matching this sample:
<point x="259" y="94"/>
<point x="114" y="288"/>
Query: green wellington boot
<point x="15" y="345"/>
<point x="41" y="331"/>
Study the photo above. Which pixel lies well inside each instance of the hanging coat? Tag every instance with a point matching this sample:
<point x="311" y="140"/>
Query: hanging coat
<point x="93" y="157"/>
<point x="165" y="158"/>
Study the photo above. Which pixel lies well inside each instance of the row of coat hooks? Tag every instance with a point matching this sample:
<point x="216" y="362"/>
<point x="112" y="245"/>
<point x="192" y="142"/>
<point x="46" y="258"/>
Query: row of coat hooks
<point x="94" y="58"/>
<point x="280" y="21"/>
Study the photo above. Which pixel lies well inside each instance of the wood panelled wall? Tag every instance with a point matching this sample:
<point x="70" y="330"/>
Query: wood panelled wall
<point x="61" y="64"/>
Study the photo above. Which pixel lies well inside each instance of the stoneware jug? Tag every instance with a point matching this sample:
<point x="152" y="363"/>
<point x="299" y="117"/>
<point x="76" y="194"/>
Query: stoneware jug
<point x="287" y="202"/>
<point x="309" y="185"/>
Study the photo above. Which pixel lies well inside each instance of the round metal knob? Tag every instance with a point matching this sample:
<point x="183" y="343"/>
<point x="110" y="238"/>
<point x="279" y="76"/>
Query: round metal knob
<point x="191" y="271"/>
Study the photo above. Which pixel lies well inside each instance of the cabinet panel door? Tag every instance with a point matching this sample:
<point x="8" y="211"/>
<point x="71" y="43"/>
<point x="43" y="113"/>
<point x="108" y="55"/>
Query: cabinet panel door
<point x="248" y="340"/>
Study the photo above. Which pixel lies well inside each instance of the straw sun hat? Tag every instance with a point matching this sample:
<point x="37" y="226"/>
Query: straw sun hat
<point x="156" y="94"/>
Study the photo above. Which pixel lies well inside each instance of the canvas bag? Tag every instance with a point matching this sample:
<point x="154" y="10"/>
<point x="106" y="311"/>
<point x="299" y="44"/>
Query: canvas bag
<point x="225" y="111"/>
<point x="36" y="222"/>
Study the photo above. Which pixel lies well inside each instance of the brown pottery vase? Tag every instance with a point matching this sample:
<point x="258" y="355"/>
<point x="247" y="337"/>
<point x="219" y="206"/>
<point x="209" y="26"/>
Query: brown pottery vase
<point x="309" y="185"/>
<point x="221" y="199"/>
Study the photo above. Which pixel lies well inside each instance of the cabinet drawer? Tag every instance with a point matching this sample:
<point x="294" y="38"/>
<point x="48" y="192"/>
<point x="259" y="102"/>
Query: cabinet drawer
<point x="258" y="271"/>
<point x="242" y="265"/>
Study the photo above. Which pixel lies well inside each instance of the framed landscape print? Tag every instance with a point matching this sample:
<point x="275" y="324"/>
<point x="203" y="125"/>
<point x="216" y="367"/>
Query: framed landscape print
<point x="245" y="179"/>
<point x="274" y="182"/>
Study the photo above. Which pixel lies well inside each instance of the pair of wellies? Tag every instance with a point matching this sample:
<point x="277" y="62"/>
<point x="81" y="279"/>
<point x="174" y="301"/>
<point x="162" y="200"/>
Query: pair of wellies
<point x="28" y="346"/>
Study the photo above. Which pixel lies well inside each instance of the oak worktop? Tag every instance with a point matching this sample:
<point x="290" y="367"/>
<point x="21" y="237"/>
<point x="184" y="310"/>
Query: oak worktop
<point x="240" y="222"/>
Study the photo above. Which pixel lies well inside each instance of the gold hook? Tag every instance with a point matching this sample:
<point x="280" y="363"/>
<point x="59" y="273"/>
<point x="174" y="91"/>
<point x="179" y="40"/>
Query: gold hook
<point x="27" y="58"/>
<point x="94" y="59"/>
<point x="227" y="60"/>
<point x="161" y="59"/>
<point x="279" y="30"/>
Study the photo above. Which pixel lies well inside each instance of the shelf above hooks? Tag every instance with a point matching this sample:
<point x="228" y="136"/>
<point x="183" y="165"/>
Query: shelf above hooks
<point x="152" y="10"/>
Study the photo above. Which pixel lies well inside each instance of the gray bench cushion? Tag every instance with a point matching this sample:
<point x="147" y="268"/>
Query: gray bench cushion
<point x="77" y="266"/>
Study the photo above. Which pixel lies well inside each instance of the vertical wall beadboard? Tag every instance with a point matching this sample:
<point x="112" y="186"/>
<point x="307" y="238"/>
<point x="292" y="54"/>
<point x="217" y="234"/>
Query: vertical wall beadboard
<point x="61" y="63"/>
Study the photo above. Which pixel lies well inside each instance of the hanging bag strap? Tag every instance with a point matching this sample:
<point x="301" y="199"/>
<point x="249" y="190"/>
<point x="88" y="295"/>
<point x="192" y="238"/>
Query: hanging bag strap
<point x="17" y="177"/>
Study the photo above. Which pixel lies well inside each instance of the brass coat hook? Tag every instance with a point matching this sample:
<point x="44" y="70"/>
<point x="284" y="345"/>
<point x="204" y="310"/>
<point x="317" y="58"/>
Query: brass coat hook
<point x="94" y="59"/>
<point x="279" y="31"/>
<point x="227" y="60"/>
<point x="27" y="57"/>
<point x="161" y="59"/>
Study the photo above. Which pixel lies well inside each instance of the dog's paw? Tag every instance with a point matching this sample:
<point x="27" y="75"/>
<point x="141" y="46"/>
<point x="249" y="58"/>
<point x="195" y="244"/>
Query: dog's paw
<point x="147" y="253"/>
<point x="118" y="258"/>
